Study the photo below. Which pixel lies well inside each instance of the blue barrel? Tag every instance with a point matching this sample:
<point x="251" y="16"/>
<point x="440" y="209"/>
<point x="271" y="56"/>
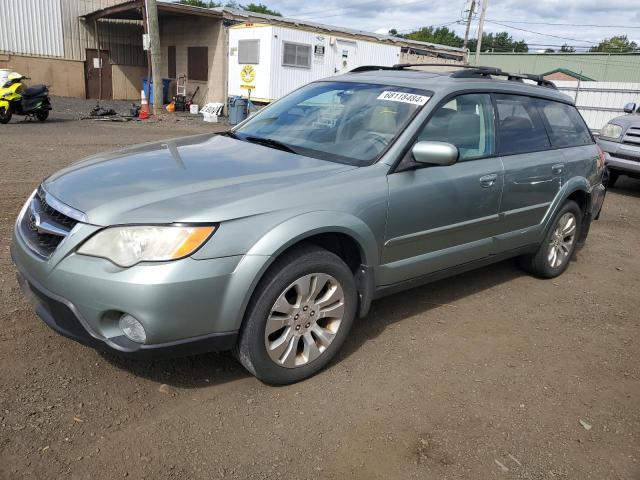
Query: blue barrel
<point x="237" y="110"/>
<point x="166" y="84"/>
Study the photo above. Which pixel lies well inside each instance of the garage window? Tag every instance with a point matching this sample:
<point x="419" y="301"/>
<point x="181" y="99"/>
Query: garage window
<point x="249" y="52"/>
<point x="296" y="55"/>
<point x="198" y="63"/>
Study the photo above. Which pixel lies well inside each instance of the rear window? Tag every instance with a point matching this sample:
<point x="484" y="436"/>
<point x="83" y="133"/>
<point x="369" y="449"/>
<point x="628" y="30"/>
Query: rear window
<point x="565" y="125"/>
<point x="520" y="127"/>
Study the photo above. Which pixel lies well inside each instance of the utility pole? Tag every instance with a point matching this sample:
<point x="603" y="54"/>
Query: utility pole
<point x="480" y="30"/>
<point x="156" y="54"/>
<point x="466" y="33"/>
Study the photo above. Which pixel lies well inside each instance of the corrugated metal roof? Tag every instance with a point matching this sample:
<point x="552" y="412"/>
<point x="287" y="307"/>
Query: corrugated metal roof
<point x="31" y="27"/>
<point x="245" y="15"/>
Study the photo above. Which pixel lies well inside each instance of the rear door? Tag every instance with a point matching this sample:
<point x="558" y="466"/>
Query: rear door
<point x="442" y="216"/>
<point x="533" y="169"/>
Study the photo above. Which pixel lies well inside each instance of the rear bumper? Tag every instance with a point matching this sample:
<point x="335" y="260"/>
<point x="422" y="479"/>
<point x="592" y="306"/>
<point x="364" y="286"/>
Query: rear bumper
<point x="63" y="317"/>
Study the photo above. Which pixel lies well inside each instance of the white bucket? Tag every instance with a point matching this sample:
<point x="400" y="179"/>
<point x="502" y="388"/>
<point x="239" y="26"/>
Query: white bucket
<point x="193" y="109"/>
<point x="4" y="75"/>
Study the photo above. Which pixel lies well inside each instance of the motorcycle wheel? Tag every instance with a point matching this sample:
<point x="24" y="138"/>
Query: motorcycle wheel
<point x="42" y="115"/>
<point x="5" y="115"/>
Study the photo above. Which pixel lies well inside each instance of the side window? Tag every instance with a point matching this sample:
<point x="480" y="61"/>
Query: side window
<point x="565" y="125"/>
<point x="466" y="122"/>
<point x="296" y="55"/>
<point x="520" y="128"/>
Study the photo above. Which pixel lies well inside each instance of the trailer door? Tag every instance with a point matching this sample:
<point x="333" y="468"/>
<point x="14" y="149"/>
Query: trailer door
<point x="345" y="56"/>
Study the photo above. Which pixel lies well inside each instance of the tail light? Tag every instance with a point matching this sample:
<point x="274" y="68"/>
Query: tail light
<point x="601" y="158"/>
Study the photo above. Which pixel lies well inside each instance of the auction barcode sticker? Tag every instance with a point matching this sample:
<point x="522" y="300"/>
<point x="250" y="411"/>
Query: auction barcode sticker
<point x="403" y="97"/>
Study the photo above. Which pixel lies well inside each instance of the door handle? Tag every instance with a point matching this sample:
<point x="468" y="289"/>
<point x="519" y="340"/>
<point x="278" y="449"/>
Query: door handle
<point x="488" y="180"/>
<point x="557" y="169"/>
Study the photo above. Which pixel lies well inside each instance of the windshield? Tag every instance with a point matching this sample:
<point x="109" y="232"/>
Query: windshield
<point x="339" y="121"/>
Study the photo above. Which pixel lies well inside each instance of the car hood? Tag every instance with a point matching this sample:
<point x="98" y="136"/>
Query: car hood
<point x="205" y="178"/>
<point x="626" y="121"/>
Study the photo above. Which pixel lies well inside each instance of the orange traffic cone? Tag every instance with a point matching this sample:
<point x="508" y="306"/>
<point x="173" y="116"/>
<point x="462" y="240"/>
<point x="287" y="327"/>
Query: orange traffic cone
<point x="144" y="106"/>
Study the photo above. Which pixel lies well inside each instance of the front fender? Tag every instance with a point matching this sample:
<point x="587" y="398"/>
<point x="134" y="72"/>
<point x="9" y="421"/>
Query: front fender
<point x="298" y="228"/>
<point x="4" y="104"/>
<point x="269" y="246"/>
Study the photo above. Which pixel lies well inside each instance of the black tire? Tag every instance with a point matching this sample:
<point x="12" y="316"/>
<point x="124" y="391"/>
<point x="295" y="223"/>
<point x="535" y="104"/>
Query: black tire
<point x="251" y="349"/>
<point x="42" y="115"/>
<point x="5" y="116"/>
<point x="539" y="263"/>
<point x="612" y="178"/>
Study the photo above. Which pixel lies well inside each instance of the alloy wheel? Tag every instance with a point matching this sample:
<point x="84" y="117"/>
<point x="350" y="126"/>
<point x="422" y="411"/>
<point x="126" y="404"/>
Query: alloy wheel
<point x="562" y="240"/>
<point x="304" y="320"/>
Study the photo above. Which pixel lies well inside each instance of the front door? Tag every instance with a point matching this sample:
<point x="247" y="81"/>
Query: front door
<point x="442" y="216"/>
<point x="345" y="56"/>
<point x="533" y="170"/>
<point x="97" y="71"/>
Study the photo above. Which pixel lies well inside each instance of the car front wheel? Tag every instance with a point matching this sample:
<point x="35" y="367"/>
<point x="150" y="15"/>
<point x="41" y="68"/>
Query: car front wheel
<point x="299" y="316"/>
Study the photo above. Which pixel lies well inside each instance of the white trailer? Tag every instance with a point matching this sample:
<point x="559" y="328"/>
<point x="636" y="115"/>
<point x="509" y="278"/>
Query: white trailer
<point x="271" y="60"/>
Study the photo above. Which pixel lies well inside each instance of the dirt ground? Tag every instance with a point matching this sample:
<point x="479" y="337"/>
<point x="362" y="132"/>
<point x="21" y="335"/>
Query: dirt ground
<point x="491" y="374"/>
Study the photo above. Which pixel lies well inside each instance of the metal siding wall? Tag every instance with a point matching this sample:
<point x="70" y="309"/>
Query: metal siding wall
<point x="31" y="27"/>
<point x="122" y="38"/>
<point x="263" y="70"/>
<point x="600" y="67"/>
<point x="599" y="102"/>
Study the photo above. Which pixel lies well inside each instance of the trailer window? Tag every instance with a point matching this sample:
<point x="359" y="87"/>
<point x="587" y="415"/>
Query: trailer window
<point x="249" y="52"/>
<point x="296" y="55"/>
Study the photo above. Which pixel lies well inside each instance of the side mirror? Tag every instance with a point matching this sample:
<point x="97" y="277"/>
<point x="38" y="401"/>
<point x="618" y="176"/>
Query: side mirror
<point x="435" y="153"/>
<point x="630" y="107"/>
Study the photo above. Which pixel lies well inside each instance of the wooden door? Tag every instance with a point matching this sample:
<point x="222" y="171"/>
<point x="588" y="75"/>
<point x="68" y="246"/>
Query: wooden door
<point x="93" y="75"/>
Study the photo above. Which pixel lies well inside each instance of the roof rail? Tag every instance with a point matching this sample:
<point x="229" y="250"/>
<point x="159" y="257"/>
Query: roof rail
<point x="468" y="71"/>
<point x="514" y="77"/>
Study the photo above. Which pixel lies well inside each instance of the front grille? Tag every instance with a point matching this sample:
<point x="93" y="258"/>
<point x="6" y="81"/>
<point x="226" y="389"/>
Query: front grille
<point x="632" y="137"/>
<point x="43" y="227"/>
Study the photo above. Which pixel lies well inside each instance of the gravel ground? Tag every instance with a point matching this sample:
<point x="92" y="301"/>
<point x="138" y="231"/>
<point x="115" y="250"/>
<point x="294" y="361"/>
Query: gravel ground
<point x="490" y="374"/>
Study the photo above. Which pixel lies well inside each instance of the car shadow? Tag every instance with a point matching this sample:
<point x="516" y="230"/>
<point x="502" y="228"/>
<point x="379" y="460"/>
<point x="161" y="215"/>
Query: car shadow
<point x="626" y="186"/>
<point x="220" y="368"/>
<point x="423" y="299"/>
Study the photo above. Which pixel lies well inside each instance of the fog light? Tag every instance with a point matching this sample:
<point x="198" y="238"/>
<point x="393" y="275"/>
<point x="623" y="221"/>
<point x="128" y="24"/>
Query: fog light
<point x="132" y="329"/>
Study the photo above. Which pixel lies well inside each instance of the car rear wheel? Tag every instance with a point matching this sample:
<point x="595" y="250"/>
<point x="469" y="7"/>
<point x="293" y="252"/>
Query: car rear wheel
<point x="557" y="249"/>
<point x="612" y="178"/>
<point x="299" y="317"/>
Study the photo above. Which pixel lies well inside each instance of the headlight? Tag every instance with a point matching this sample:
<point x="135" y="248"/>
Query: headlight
<point x="126" y="246"/>
<point x="611" y="131"/>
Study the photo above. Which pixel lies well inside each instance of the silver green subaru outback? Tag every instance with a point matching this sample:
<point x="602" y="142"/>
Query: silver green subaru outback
<point x="271" y="238"/>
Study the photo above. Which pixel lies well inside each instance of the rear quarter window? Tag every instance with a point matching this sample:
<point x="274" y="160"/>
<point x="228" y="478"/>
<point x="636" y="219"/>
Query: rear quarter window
<point x="520" y="126"/>
<point x="565" y="125"/>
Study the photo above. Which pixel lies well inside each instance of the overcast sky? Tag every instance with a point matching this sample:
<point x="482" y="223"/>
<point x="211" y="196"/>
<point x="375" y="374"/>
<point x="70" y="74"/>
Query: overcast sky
<point x="405" y="15"/>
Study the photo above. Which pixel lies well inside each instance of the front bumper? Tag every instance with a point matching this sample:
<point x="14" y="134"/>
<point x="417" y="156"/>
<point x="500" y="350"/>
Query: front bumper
<point x="621" y="157"/>
<point x="63" y="317"/>
<point x="186" y="306"/>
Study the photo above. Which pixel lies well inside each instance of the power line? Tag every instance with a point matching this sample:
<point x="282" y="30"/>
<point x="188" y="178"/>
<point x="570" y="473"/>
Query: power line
<point x="540" y="33"/>
<point x="564" y="24"/>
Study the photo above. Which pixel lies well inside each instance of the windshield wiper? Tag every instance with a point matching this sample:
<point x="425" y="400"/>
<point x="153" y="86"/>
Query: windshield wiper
<point x="268" y="142"/>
